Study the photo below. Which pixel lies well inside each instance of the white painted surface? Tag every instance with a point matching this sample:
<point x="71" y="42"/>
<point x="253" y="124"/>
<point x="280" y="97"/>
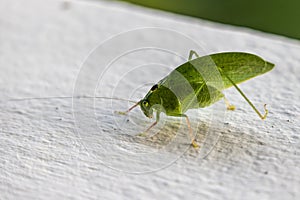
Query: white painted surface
<point x="44" y="156"/>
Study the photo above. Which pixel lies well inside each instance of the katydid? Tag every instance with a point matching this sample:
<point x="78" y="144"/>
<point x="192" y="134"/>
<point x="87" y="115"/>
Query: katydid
<point x="186" y="87"/>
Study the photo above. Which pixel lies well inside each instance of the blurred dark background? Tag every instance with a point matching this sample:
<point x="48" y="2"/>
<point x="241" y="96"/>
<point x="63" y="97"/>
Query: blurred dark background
<point x="277" y="16"/>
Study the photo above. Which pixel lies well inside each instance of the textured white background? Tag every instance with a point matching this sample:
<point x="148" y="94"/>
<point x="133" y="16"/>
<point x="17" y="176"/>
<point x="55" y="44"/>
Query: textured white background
<point x="42" y="47"/>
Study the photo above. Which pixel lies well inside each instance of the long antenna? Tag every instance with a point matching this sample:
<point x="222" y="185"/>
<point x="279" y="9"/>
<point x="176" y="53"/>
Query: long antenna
<point x="69" y="97"/>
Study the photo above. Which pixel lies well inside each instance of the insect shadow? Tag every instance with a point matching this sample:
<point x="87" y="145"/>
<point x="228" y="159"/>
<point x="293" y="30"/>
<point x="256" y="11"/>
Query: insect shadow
<point x="169" y="135"/>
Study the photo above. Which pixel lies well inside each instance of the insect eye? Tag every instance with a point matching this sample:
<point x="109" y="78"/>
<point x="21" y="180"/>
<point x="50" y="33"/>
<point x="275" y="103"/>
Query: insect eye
<point x="145" y="103"/>
<point x="154" y="87"/>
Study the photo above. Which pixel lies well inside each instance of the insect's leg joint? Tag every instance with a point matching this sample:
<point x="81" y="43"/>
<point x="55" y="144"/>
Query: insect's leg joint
<point x="192" y="52"/>
<point x="266" y="112"/>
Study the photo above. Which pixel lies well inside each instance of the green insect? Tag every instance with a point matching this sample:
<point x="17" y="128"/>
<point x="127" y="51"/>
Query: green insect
<point x="191" y="85"/>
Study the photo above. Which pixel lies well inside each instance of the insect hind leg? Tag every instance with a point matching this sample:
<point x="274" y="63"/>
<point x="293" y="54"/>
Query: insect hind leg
<point x="262" y="116"/>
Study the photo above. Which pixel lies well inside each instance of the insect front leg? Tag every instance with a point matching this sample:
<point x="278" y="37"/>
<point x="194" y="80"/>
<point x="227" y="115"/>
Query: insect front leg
<point x="127" y="111"/>
<point x="192" y="52"/>
<point x="152" y="125"/>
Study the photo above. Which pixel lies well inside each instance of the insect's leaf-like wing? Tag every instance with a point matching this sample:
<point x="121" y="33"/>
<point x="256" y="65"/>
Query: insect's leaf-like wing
<point x="240" y="66"/>
<point x="191" y="87"/>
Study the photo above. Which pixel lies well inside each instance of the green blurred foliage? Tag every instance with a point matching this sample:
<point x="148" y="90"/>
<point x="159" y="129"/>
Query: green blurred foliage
<point x="277" y="16"/>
